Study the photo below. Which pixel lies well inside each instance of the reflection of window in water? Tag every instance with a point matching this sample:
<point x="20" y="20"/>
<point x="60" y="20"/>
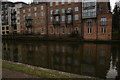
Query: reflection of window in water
<point x="30" y="48"/>
<point x="57" y="59"/>
<point x="57" y="48"/>
<point x="63" y="49"/>
<point x="102" y="57"/>
<point x="51" y="48"/>
<point x="36" y="48"/>
<point x="76" y="62"/>
<point x="88" y="56"/>
<point x="87" y="69"/>
<point x="69" y="60"/>
<point x="63" y="60"/>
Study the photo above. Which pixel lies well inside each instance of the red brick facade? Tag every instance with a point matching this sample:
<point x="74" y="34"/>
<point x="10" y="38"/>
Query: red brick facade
<point x="64" y="19"/>
<point x="37" y="15"/>
<point x="98" y="31"/>
<point x="64" y="28"/>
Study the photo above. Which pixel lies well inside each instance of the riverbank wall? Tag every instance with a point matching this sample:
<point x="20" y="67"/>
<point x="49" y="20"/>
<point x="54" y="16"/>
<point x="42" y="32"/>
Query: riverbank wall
<point x="38" y="38"/>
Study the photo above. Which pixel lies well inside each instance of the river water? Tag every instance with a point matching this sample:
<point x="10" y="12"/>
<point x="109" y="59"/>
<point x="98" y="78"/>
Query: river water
<point x="89" y="59"/>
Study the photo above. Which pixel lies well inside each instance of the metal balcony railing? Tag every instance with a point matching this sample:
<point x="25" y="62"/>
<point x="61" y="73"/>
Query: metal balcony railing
<point x="13" y="12"/>
<point x="57" y="13"/>
<point x="13" y="24"/>
<point x="28" y="25"/>
<point x="68" y="12"/>
<point x="56" y="23"/>
<point x="28" y="18"/>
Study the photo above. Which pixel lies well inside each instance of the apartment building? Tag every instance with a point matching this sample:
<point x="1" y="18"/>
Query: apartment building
<point x="33" y="19"/>
<point x="64" y="18"/>
<point x="86" y="19"/>
<point x="11" y="17"/>
<point x="5" y="17"/>
<point x="15" y="16"/>
<point x="96" y="20"/>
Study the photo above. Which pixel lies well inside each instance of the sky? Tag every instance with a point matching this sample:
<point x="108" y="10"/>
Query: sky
<point x="27" y="1"/>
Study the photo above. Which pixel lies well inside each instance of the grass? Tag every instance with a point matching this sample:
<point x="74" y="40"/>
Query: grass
<point x="37" y="71"/>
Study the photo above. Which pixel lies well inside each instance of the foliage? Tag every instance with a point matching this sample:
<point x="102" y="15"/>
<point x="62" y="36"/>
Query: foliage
<point x="116" y="18"/>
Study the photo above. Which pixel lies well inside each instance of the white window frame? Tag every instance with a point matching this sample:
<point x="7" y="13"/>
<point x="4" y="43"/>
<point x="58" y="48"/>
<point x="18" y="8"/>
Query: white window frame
<point x="76" y="17"/>
<point x="76" y="8"/>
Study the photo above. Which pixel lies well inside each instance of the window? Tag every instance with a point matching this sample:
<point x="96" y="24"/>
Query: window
<point x="90" y="22"/>
<point x="63" y="10"/>
<point x="51" y="30"/>
<point x="23" y="11"/>
<point x="51" y="11"/>
<point x="69" y="8"/>
<point x="7" y="28"/>
<point x="18" y="21"/>
<point x="69" y="17"/>
<point x="3" y="28"/>
<point x="51" y="19"/>
<point x="57" y="18"/>
<point x="29" y="14"/>
<point x="35" y="8"/>
<point x="29" y="10"/>
<point x="41" y="20"/>
<point x="7" y="32"/>
<point x="103" y="30"/>
<point x="18" y="9"/>
<point x="18" y="15"/>
<point x="57" y="3"/>
<point x="3" y="33"/>
<point x="63" y="30"/>
<point x="89" y="30"/>
<point x="103" y="21"/>
<point x="6" y="5"/>
<point x="35" y="14"/>
<point x="41" y="7"/>
<point x="57" y="11"/>
<point x="51" y="3"/>
<point x="24" y="16"/>
<point x="41" y="13"/>
<point x="76" y="17"/>
<point x="63" y="18"/>
<point x="76" y="9"/>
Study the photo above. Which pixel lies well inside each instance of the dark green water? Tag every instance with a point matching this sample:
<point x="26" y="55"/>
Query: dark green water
<point x="97" y="60"/>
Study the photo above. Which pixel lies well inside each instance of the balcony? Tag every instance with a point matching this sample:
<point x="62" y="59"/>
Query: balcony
<point x="68" y="12"/>
<point x="28" y="18"/>
<point x="28" y="25"/>
<point x="13" y="12"/>
<point x="57" y="13"/>
<point x="13" y="24"/>
<point x="13" y="18"/>
<point x="56" y="23"/>
<point x="4" y="12"/>
<point x="70" y="22"/>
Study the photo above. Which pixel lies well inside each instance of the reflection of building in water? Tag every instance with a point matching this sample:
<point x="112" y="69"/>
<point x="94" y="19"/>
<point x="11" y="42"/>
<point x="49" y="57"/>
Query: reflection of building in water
<point x="96" y="59"/>
<point x="85" y="59"/>
<point x="10" y="52"/>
